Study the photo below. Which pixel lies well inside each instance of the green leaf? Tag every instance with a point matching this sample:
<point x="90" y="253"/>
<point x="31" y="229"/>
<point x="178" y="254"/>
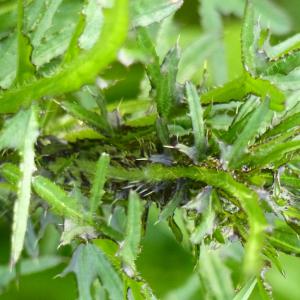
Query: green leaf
<point x="131" y="247"/>
<point x="91" y="118"/>
<point x="285" y="239"/>
<point x="26" y="121"/>
<point x="246" y="291"/>
<point x="283" y="65"/>
<point x="46" y="20"/>
<point x="97" y="190"/>
<point x="215" y="275"/>
<point x="248" y="38"/>
<point x="81" y="70"/>
<point x="59" y="201"/>
<point x="169" y="209"/>
<point x="239" y="88"/>
<point x="144" y="12"/>
<point x="239" y="147"/>
<point x="247" y="198"/>
<point x="272" y="154"/>
<point x="163" y="78"/>
<point x="28" y="266"/>
<point x="196" y="113"/>
<point x="285" y="125"/>
<point x="25" y="68"/>
<point x="88" y="263"/>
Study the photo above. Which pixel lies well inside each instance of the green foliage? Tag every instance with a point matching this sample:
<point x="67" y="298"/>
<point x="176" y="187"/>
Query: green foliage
<point x="106" y="130"/>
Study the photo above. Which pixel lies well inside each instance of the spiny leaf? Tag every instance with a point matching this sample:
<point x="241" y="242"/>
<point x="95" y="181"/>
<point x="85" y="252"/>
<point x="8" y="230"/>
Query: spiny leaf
<point x="45" y="22"/>
<point x="131" y="247"/>
<point x="284" y="125"/>
<point x="163" y="78"/>
<point x="81" y="70"/>
<point x="246" y="291"/>
<point x="283" y="65"/>
<point x="25" y="144"/>
<point x="283" y="47"/>
<point x="59" y="201"/>
<point x="251" y="128"/>
<point x="88" y="263"/>
<point x="271" y="154"/>
<point x="97" y="190"/>
<point x="196" y="113"/>
<point x="239" y="88"/>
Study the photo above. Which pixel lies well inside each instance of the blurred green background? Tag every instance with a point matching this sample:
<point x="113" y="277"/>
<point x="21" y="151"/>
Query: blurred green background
<point x="166" y="265"/>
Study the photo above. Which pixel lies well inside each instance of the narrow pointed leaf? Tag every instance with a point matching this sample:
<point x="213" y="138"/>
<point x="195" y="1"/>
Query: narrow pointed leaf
<point x="27" y="167"/>
<point x="196" y="114"/>
<point x="246" y="291"/>
<point x="249" y="131"/>
<point x="98" y="183"/>
<point x="131" y="247"/>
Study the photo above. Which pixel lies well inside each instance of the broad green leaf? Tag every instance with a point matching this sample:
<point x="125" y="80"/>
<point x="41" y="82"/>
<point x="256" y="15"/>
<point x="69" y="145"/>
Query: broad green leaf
<point x="196" y="114"/>
<point x="131" y="246"/>
<point x="88" y="263"/>
<point x="28" y="266"/>
<point x="215" y="275"/>
<point x="25" y="145"/>
<point x="144" y="12"/>
<point x="246" y="290"/>
<point x="46" y="20"/>
<point x="50" y="26"/>
<point x="97" y="190"/>
<point x="239" y="147"/>
<point x="81" y="70"/>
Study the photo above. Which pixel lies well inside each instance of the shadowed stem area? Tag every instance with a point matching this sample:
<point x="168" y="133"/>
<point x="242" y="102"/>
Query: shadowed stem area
<point x="248" y="199"/>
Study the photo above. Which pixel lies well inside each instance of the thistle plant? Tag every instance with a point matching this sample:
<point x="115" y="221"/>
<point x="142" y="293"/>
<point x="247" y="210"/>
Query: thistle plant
<point x="219" y="164"/>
